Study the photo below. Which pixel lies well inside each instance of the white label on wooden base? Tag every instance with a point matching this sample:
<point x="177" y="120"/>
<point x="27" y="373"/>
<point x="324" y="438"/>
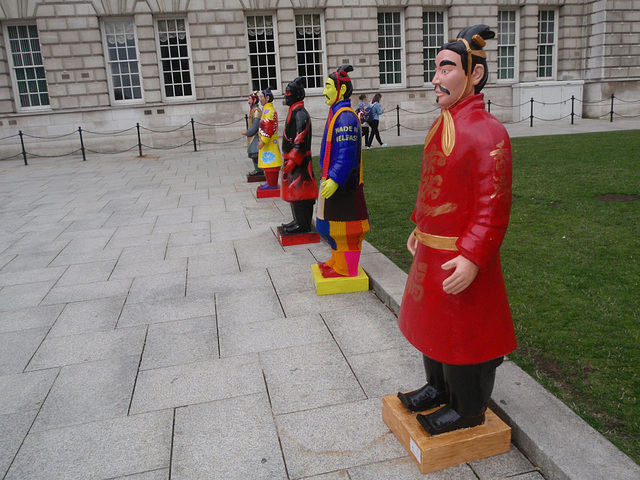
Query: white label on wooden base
<point x="416" y="451"/>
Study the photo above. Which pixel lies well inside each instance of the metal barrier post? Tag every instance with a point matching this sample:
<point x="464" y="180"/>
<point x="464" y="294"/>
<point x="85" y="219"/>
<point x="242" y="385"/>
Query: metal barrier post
<point x="84" y="158"/>
<point x="531" y="116"/>
<point x="139" y="140"/>
<point x="193" y="130"/>
<point x="489" y="106"/>
<point x="398" y="118"/>
<point x="24" y="152"/>
<point x="246" y="121"/>
<point x="611" y="119"/>
<point x="572" y="110"/>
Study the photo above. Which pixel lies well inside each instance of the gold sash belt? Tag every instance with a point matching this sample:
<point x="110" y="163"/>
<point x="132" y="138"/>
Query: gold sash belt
<point x="436" y="241"/>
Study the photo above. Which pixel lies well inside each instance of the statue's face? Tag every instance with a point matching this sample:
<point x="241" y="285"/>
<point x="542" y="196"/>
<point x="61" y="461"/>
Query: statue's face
<point x="450" y="79"/>
<point x="330" y="92"/>
<point x="263" y="99"/>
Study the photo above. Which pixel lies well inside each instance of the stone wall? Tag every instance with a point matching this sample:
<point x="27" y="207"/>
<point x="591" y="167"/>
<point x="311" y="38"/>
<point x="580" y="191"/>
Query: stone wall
<point x="598" y="42"/>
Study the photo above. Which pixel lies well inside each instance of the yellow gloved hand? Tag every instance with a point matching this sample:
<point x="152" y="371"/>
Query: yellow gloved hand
<point x="329" y="187"/>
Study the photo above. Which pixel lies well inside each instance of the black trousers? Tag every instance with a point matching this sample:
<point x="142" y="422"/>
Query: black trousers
<point x="374" y="132"/>
<point x="469" y="386"/>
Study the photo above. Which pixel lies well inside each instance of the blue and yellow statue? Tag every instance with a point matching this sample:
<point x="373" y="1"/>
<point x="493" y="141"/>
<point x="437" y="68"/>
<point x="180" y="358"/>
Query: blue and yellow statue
<point x="342" y="217"/>
<point x="256" y="175"/>
<point x="269" y="157"/>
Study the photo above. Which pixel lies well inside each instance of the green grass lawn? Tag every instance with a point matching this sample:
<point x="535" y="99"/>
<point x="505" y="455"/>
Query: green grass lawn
<point x="571" y="262"/>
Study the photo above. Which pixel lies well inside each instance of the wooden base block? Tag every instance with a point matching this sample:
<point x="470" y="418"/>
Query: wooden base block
<point x="432" y="453"/>
<point x="330" y="286"/>
<point x="297" y="238"/>
<point x="256" y="178"/>
<point x="261" y="193"/>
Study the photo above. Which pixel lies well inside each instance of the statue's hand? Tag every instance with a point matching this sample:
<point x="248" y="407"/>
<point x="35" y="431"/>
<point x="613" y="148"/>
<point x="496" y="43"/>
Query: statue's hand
<point x="465" y="272"/>
<point x="412" y="244"/>
<point x="289" y="165"/>
<point x="329" y="187"/>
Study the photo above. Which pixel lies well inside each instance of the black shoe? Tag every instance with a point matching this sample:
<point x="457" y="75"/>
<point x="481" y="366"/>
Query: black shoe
<point x="423" y="399"/>
<point x="288" y="225"/>
<point x="446" y="420"/>
<point x="295" y="229"/>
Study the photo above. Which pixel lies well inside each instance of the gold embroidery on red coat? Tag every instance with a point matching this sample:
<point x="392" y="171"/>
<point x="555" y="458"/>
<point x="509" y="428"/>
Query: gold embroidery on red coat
<point x="415" y="288"/>
<point x="500" y="181"/>
<point x="430" y="185"/>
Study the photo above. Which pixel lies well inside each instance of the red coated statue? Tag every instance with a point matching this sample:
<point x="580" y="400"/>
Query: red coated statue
<point x="299" y="185"/>
<point x="455" y="309"/>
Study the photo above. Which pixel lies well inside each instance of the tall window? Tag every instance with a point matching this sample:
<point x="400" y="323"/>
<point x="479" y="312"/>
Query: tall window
<point x="262" y="52"/>
<point x="390" y="50"/>
<point x="309" y="49"/>
<point x="546" y="42"/>
<point x="507" y="43"/>
<point x="122" y="60"/>
<point x="175" y="58"/>
<point x="433" y="37"/>
<point x="27" y="70"/>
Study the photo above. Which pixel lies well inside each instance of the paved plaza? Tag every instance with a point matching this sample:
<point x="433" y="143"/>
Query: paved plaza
<point x="152" y="327"/>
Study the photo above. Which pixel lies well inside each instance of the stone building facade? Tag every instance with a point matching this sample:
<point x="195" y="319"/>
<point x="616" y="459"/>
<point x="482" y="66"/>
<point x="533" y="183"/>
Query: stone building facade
<point x="106" y="65"/>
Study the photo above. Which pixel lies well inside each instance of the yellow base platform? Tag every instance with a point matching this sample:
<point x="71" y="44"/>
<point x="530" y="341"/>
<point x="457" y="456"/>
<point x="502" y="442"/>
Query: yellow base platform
<point x="330" y="286"/>
<point x="447" y="449"/>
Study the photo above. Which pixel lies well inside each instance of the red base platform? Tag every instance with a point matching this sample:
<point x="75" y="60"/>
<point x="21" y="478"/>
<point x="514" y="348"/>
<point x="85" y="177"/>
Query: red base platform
<point x="256" y="178"/>
<point x="297" y="238"/>
<point x="260" y="193"/>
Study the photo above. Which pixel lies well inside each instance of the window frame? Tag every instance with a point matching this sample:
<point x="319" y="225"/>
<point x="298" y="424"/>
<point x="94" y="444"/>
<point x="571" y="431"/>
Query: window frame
<point x="445" y="38"/>
<point x="161" y="72"/>
<point x="554" y="45"/>
<point x="114" y="102"/>
<point x="12" y="69"/>
<point x="274" y="88"/>
<point x="515" y="45"/>
<point x="403" y="50"/>
<point x="323" y="46"/>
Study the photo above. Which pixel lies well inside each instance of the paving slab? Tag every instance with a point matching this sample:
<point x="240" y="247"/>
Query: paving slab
<point x="326" y="439"/>
<point x="272" y="334"/>
<point x="198" y="382"/>
<point x="89" y="392"/>
<point x="29" y="318"/>
<point x="180" y="342"/>
<point x="14" y="427"/>
<point x="231" y="438"/>
<point x="309" y="376"/>
<point x="26" y="295"/>
<point x="88" y="347"/>
<point x="18" y="347"/>
<point x="139" y="443"/>
<point x="165" y="311"/>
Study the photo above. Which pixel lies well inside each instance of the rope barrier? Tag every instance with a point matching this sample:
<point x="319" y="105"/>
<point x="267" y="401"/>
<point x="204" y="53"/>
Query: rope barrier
<point x="605" y="102"/>
<point x="54" y="137"/>
<point x="165" y="131"/>
<point x="219" y="124"/>
<point x="117" y="132"/>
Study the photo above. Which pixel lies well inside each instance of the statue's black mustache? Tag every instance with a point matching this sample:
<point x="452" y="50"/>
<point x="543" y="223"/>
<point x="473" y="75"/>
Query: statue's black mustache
<point x="443" y="89"/>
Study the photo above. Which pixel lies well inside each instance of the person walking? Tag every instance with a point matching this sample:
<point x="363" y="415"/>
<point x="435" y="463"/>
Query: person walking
<point x="376" y="111"/>
<point x="361" y="111"/>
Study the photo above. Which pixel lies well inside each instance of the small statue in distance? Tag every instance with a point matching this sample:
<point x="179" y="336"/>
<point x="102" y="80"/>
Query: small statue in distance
<point x="255" y="113"/>
<point x="269" y="157"/>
